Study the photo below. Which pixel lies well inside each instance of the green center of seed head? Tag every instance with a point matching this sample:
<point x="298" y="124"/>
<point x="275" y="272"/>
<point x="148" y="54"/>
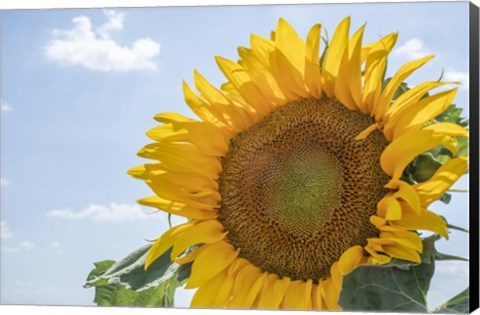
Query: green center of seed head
<point x="303" y="188"/>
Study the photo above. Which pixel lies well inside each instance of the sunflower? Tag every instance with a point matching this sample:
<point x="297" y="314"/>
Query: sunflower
<point x="292" y="177"/>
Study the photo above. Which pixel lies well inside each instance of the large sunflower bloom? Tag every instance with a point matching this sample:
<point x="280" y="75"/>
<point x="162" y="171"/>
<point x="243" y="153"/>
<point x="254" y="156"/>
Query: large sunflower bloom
<point x="293" y="175"/>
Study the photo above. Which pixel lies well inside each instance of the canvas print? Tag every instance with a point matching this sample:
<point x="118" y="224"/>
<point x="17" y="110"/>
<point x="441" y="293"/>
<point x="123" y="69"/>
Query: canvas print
<point x="275" y="157"/>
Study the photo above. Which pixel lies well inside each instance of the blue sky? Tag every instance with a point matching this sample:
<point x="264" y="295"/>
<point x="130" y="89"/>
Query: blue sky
<point x="79" y="88"/>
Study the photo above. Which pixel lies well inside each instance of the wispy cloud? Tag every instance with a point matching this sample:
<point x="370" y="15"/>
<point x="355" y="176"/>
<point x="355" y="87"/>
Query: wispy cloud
<point x="21" y="247"/>
<point x="111" y="212"/>
<point x="94" y="49"/>
<point x="4" y="181"/>
<point x="460" y="76"/>
<point x="412" y="49"/>
<point x="5" y="107"/>
<point x="27" y="245"/>
<point x="6" y="232"/>
<point x="452" y="268"/>
<point x="55" y="247"/>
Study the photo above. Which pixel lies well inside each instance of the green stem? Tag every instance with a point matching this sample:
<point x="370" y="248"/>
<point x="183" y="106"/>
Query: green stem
<point x="458" y="190"/>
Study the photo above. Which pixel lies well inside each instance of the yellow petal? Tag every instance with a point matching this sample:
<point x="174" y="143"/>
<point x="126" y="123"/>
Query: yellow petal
<point x="209" y="140"/>
<point x="273" y="292"/>
<point x="238" y="117"/>
<point x="415" y="116"/>
<point x="317" y="300"/>
<point x="225" y="292"/>
<point x="170" y="117"/>
<point x="377" y="221"/>
<point x="211" y="261"/>
<point x="334" y="56"/>
<point x="178" y="208"/>
<point x="401" y="249"/>
<point x="389" y="208"/>
<point x="182" y="158"/>
<point x="292" y="47"/>
<point x="408" y="98"/>
<point x="298" y="295"/>
<point x="164" y="242"/>
<point x="330" y="294"/>
<point x="200" y="107"/>
<point x="246" y="287"/>
<point x="375" y="257"/>
<point x="313" y="78"/>
<point x="262" y="77"/>
<point x="263" y="49"/>
<point x="210" y="231"/>
<point x="448" y="129"/>
<point x="407" y="193"/>
<point x="404" y="72"/>
<point x="374" y="71"/>
<point x="166" y="189"/>
<point x="191" y="256"/>
<point x="205" y="295"/>
<point x="408" y="239"/>
<point x="289" y="61"/>
<point x="336" y="276"/>
<point x="425" y="220"/>
<point x="350" y="259"/>
<point x="399" y="153"/>
<point x="348" y="87"/>
<point x="443" y="178"/>
<point x="365" y="133"/>
<point x="402" y="252"/>
<point x="138" y="172"/>
<point x="244" y="85"/>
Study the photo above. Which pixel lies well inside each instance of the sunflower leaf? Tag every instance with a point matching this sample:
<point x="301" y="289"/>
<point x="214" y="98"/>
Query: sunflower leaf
<point x="392" y="287"/>
<point x="458" y="304"/>
<point x="126" y="283"/>
<point x="425" y="166"/>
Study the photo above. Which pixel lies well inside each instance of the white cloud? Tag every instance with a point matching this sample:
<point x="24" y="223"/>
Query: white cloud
<point x="413" y="49"/>
<point x="4" y="181"/>
<point x="27" y="245"/>
<point x="8" y="249"/>
<point x="55" y="247"/>
<point x="111" y="212"/>
<point x="22" y="246"/>
<point x="459" y="76"/>
<point x="5" y="230"/>
<point x="5" y="107"/>
<point x="453" y="268"/>
<point x="114" y="23"/>
<point x="95" y="50"/>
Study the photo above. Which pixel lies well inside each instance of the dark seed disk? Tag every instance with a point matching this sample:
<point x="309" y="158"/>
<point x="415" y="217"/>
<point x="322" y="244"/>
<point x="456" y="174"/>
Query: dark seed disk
<point x="298" y="190"/>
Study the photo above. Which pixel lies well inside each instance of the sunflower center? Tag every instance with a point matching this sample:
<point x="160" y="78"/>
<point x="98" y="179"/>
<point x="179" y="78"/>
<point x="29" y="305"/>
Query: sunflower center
<point x="301" y="186"/>
<point x="298" y="190"/>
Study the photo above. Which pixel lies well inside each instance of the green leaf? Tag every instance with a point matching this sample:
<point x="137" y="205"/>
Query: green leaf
<point x="126" y="283"/>
<point x="462" y="146"/>
<point x="451" y="114"/>
<point x="446" y="197"/>
<point x="397" y="286"/>
<point x="425" y="166"/>
<point x="100" y="268"/>
<point x="458" y="304"/>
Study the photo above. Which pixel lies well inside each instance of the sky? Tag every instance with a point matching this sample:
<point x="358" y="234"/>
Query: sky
<point x="79" y="88"/>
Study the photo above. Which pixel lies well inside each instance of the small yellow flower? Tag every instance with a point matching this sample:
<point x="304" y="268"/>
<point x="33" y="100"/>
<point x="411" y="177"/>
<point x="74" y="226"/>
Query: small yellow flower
<point x="292" y="176"/>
